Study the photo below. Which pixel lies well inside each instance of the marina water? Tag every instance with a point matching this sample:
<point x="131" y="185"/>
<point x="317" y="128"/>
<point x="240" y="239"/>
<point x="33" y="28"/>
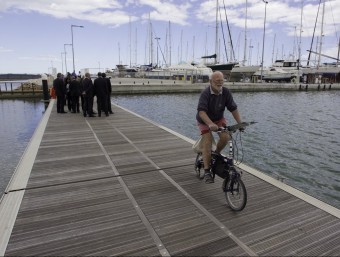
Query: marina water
<point x="18" y="121"/>
<point x="296" y="139"/>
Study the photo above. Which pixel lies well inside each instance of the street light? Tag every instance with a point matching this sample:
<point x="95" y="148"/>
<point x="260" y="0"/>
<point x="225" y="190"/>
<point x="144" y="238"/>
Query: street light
<point x="65" y="55"/>
<point x="264" y="33"/>
<point x="157" y="38"/>
<point x="77" y="26"/>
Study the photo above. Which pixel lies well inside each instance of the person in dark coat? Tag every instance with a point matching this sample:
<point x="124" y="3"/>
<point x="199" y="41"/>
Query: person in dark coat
<point x="100" y="89"/>
<point x="82" y="101"/>
<point x="75" y="92"/>
<point x="109" y="90"/>
<point x="88" y="95"/>
<point x="60" y="91"/>
<point x="67" y="82"/>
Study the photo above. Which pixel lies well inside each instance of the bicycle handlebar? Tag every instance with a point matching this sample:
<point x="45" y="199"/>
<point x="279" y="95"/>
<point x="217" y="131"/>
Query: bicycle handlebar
<point x="235" y="127"/>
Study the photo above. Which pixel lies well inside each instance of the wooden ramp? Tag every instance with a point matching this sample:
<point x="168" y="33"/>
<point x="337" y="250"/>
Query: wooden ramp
<point x="121" y="185"/>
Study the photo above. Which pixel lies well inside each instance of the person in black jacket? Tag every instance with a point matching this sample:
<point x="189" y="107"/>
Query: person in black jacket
<point x="60" y="90"/>
<point x="100" y="89"/>
<point x="67" y="82"/>
<point x="82" y="101"/>
<point x="88" y="95"/>
<point x="75" y="92"/>
<point x="109" y="90"/>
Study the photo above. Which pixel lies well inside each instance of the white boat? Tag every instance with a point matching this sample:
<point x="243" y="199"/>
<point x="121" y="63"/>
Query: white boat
<point x="276" y="74"/>
<point x="181" y="71"/>
<point x="280" y="71"/>
<point x="241" y="73"/>
<point x="184" y="68"/>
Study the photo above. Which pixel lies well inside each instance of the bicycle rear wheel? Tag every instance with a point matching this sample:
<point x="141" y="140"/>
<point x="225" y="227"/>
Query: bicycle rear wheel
<point x="236" y="194"/>
<point x="199" y="166"/>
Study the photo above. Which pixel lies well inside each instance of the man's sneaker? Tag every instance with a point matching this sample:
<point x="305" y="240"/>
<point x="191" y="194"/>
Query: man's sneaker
<point x="208" y="177"/>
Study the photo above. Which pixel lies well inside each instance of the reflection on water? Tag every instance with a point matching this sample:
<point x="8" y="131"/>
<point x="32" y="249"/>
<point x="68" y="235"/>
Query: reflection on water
<point x="295" y="139"/>
<point x="18" y="119"/>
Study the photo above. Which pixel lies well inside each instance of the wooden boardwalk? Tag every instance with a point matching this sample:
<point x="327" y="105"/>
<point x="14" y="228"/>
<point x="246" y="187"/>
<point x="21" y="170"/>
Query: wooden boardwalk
<point x="122" y="185"/>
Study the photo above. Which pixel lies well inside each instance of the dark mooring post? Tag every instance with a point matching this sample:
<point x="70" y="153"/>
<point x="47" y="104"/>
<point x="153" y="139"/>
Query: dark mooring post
<point x="45" y="93"/>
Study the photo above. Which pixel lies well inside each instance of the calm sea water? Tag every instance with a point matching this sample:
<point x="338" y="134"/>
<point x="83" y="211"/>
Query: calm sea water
<point x="18" y="121"/>
<point x="296" y="138"/>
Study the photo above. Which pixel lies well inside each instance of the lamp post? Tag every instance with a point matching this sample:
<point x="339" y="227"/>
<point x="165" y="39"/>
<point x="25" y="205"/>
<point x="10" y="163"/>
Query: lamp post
<point x="264" y="33"/>
<point x="77" y="26"/>
<point x="157" y="38"/>
<point x="65" y="55"/>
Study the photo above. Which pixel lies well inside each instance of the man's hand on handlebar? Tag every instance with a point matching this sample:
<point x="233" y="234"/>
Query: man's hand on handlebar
<point x="242" y="129"/>
<point x="213" y="127"/>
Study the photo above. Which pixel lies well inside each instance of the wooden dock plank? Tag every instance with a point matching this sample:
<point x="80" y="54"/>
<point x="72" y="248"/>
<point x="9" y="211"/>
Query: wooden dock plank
<point x="86" y="216"/>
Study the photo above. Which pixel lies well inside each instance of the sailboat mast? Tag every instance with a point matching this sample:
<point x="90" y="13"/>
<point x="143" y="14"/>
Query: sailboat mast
<point x="193" y="49"/>
<point x="245" y="36"/>
<point x="130" y="38"/>
<point x="299" y="50"/>
<point x="311" y="45"/>
<point x="169" y="43"/>
<point x="181" y="45"/>
<point x="337" y="63"/>
<point x="273" y="48"/>
<point x="322" y="20"/>
<point x="216" y="38"/>
<point x="151" y="41"/>
<point x="136" y="48"/>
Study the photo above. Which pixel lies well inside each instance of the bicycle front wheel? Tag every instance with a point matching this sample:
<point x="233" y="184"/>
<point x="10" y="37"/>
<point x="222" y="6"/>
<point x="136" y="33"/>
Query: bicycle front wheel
<point x="236" y="194"/>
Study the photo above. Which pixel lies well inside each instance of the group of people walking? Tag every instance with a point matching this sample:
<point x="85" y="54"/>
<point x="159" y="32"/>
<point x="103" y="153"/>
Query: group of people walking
<point x="72" y="89"/>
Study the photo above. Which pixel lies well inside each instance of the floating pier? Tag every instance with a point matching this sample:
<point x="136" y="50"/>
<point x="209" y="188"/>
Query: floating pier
<point x="123" y="185"/>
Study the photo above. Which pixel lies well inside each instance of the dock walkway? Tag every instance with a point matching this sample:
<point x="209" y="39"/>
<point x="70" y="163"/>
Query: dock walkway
<point x="123" y="185"/>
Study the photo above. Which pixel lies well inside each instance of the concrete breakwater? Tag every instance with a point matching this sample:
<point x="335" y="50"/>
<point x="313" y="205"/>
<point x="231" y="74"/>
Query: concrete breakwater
<point x="124" y="86"/>
<point x="135" y="86"/>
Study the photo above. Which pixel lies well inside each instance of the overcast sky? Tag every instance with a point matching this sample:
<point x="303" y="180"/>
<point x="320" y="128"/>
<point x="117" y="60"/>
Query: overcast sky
<point x="34" y="32"/>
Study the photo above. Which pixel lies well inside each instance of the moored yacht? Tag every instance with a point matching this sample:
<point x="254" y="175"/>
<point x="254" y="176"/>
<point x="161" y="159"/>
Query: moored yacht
<point x="276" y="74"/>
<point x="241" y="73"/>
<point x="280" y="71"/>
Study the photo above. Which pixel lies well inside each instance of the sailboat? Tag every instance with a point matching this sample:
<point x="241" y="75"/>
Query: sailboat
<point x="225" y="68"/>
<point x="242" y="72"/>
<point x="326" y="72"/>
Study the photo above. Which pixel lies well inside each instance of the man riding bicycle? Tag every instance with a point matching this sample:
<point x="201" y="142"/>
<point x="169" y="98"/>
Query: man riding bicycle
<point x="210" y="116"/>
